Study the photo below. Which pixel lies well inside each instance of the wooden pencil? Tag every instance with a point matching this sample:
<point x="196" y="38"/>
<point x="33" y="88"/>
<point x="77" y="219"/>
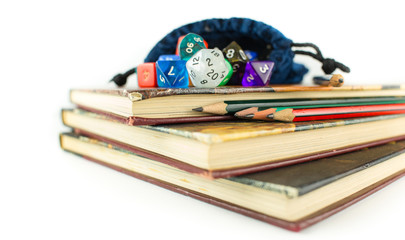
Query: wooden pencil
<point x="299" y="115"/>
<point x="259" y="113"/>
<point x="231" y="107"/>
<point x="255" y="113"/>
<point x="311" y="114"/>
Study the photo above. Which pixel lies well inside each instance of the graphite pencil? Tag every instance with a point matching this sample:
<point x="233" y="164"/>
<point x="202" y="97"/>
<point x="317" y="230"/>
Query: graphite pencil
<point x="258" y="112"/>
<point x="312" y="114"/>
<point x="231" y="107"/>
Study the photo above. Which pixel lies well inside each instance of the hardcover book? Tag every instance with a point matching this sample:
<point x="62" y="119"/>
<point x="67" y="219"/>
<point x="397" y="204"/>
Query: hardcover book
<point x="231" y="148"/>
<point x="165" y="106"/>
<point x="293" y="197"/>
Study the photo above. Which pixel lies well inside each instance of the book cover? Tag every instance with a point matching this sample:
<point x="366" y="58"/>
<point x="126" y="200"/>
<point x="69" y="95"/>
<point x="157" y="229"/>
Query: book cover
<point x="299" y="179"/>
<point x="139" y="121"/>
<point x="147" y="93"/>
<point x="228" y="132"/>
<point x="292" y="182"/>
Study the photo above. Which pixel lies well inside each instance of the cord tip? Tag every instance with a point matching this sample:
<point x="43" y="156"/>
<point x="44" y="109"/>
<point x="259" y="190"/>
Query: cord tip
<point x="119" y="79"/>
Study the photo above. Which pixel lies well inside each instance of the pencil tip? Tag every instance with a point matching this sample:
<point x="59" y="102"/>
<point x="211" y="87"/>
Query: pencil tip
<point x="199" y="109"/>
<point x="247" y="116"/>
<point x="271" y="115"/>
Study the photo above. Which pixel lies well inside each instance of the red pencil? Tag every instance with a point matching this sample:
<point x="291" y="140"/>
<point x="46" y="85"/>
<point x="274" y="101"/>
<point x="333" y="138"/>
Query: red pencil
<point x="309" y="114"/>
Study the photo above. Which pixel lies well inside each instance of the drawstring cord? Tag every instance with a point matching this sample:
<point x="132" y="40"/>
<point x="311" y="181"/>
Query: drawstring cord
<point x="329" y="65"/>
<point x="121" y="78"/>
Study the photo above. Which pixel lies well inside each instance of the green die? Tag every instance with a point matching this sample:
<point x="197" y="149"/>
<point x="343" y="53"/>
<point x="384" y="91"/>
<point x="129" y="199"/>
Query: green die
<point x="229" y="75"/>
<point x="190" y="44"/>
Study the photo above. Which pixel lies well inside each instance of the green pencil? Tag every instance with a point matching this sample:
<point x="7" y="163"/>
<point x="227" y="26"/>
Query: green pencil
<point x="231" y="107"/>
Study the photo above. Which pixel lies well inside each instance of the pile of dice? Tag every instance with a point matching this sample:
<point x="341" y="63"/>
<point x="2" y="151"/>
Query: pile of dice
<point x="196" y="65"/>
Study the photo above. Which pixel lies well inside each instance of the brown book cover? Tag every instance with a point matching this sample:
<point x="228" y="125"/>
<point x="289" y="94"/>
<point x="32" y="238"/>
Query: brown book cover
<point x="139" y="121"/>
<point x="305" y="178"/>
<point x="131" y="105"/>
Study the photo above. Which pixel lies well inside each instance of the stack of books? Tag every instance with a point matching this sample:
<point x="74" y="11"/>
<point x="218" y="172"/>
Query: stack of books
<point x="290" y="175"/>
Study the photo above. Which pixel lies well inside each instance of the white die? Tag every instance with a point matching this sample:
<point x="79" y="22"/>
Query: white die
<point x="207" y="68"/>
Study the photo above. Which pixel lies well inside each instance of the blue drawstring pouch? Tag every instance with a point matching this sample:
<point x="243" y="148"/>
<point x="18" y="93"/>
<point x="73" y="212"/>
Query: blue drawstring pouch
<point x="268" y="42"/>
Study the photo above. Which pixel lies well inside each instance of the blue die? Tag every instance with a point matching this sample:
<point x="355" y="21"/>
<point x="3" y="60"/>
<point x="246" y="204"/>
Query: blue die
<point x="172" y="74"/>
<point x="168" y="57"/>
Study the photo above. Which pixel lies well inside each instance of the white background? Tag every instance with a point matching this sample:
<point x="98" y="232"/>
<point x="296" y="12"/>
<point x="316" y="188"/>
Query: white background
<point x="48" y="47"/>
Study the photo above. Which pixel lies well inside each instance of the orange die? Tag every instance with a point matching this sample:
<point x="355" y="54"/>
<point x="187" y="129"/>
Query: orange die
<point x="147" y="75"/>
<point x="179" y="41"/>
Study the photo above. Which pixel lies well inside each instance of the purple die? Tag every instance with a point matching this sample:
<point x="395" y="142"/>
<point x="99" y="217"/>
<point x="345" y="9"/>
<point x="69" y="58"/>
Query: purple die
<point x="257" y="73"/>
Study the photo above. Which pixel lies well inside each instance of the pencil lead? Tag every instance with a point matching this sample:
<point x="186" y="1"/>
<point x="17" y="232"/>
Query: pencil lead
<point x="199" y="109"/>
<point x="270" y="115"/>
